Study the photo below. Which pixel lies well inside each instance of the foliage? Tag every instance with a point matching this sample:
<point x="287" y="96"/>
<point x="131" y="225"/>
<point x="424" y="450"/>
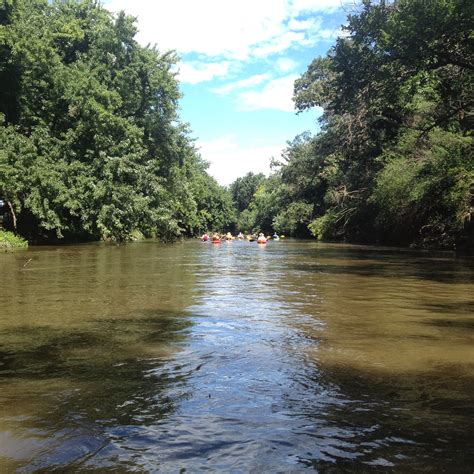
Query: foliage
<point x="394" y="159"/>
<point x="10" y="241"/>
<point x="263" y="207"/>
<point x="293" y="219"/>
<point x="323" y="227"/>
<point x="243" y="189"/>
<point x="246" y="221"/>
<point x="214" y="207"/>
<point x="92" y="145"/>
<point x="429" y="194"/>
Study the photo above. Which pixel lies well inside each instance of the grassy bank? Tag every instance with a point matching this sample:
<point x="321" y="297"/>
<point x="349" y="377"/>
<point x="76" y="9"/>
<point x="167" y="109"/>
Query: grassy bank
<point x="10" y="241"/>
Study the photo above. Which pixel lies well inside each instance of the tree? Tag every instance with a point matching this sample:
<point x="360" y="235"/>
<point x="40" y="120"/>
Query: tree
<point x="243" y="189"/>
<point x="92" y="144"/>
<point x="396" y="130"/>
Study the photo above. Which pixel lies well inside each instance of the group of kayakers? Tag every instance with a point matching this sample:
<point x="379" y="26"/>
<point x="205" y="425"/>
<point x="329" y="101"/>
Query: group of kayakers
<point x="218" y="238"/>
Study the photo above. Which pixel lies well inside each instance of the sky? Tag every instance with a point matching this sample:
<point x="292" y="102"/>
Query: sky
<point x="238" y="64"/>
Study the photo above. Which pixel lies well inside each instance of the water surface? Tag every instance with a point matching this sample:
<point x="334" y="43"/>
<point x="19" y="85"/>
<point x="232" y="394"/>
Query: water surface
<point x="236" y="357"/>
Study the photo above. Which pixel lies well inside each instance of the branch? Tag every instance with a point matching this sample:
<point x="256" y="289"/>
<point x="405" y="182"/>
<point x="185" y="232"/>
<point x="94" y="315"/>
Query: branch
<point x="440" y="120"/>
<point x="13" y="214"/>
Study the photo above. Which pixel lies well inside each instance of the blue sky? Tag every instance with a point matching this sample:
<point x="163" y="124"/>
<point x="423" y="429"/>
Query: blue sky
<point x="239" y="60"/>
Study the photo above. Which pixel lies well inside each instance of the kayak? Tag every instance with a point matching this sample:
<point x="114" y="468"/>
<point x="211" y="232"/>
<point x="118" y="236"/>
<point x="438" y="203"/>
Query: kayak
<point x="216" y="241"/>
<point x="261" y="241"/>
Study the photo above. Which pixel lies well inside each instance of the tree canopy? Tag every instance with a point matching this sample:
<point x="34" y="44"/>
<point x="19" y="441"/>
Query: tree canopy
<point x="92" y="145"/>
<point x="243" y="189"/>
<point x="393" y="161"/>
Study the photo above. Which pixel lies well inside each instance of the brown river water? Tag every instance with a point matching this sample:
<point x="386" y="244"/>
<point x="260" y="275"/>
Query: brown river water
<point x="236" y="357"/>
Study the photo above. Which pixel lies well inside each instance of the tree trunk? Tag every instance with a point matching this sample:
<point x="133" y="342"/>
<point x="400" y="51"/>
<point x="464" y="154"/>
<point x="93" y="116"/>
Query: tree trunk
<point x="13" y="215"/>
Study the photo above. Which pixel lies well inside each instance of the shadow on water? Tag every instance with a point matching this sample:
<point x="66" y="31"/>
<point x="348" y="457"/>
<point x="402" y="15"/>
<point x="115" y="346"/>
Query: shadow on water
<point x="373" y="421"/>
<point x="443" y="267"/>
<point x="236" y="358"/>
<point x="69" y="388"/>
<point x="389" y="370"/>
<point x="464" y="307"/>
<point x="428" y="271"/>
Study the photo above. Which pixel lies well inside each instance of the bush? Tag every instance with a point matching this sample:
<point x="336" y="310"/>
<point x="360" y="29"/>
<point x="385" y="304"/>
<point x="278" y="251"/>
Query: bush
<point x="9" y="241"/>
<point x="324" y="227"/>
<point x="425" y="194"/>
<point x="294" y="219"/>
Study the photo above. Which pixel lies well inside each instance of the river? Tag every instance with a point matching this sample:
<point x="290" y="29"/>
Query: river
<point x="236" y="357"/>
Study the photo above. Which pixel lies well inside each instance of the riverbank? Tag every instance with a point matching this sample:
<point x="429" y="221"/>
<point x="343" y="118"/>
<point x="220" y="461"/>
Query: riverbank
<point x="10" y="241"/>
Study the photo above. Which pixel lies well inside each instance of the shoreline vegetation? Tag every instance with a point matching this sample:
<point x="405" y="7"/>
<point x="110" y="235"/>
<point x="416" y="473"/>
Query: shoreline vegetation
<point x="92" y="146"/>
<point x="393" y="163"/>
<point x="10" y="241"/>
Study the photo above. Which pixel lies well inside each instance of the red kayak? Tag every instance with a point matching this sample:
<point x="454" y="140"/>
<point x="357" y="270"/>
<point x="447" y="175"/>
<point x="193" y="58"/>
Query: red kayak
<point x="216" y="241"/>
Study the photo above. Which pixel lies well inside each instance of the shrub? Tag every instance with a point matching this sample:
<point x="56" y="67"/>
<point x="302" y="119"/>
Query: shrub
<point x="10" y="241"/>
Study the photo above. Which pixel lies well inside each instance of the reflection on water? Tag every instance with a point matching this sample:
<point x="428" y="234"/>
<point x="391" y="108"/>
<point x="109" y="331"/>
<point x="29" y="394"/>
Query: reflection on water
<point x="236" y="357"/>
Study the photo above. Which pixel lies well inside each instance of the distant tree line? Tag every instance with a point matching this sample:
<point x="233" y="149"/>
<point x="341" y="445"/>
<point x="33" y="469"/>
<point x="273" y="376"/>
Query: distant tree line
<point x="91" y="143"/>
<point x="393" y="162"/>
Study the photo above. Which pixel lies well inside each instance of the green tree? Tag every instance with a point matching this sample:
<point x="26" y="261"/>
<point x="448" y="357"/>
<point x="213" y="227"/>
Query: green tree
<point x="92" y="144"/>
<point x="398" y="85"/>
<point x="243" y="189"/>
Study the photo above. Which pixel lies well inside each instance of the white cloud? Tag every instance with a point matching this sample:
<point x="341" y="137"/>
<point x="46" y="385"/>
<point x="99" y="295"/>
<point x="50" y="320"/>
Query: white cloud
<point x="327" y="33"/>
<point x="195" y="72"/>
<point x="210" y="27"/>
<point x="251" y="81"/>
<point x="223" y="29"/>
<point x="279" y="44"/>
<point x="229" y="160"/>
<point x="276" y="95"/>
<point x="286" y="64"/>
<point x="300" y="6"/>
<point x="299" y="25"/>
